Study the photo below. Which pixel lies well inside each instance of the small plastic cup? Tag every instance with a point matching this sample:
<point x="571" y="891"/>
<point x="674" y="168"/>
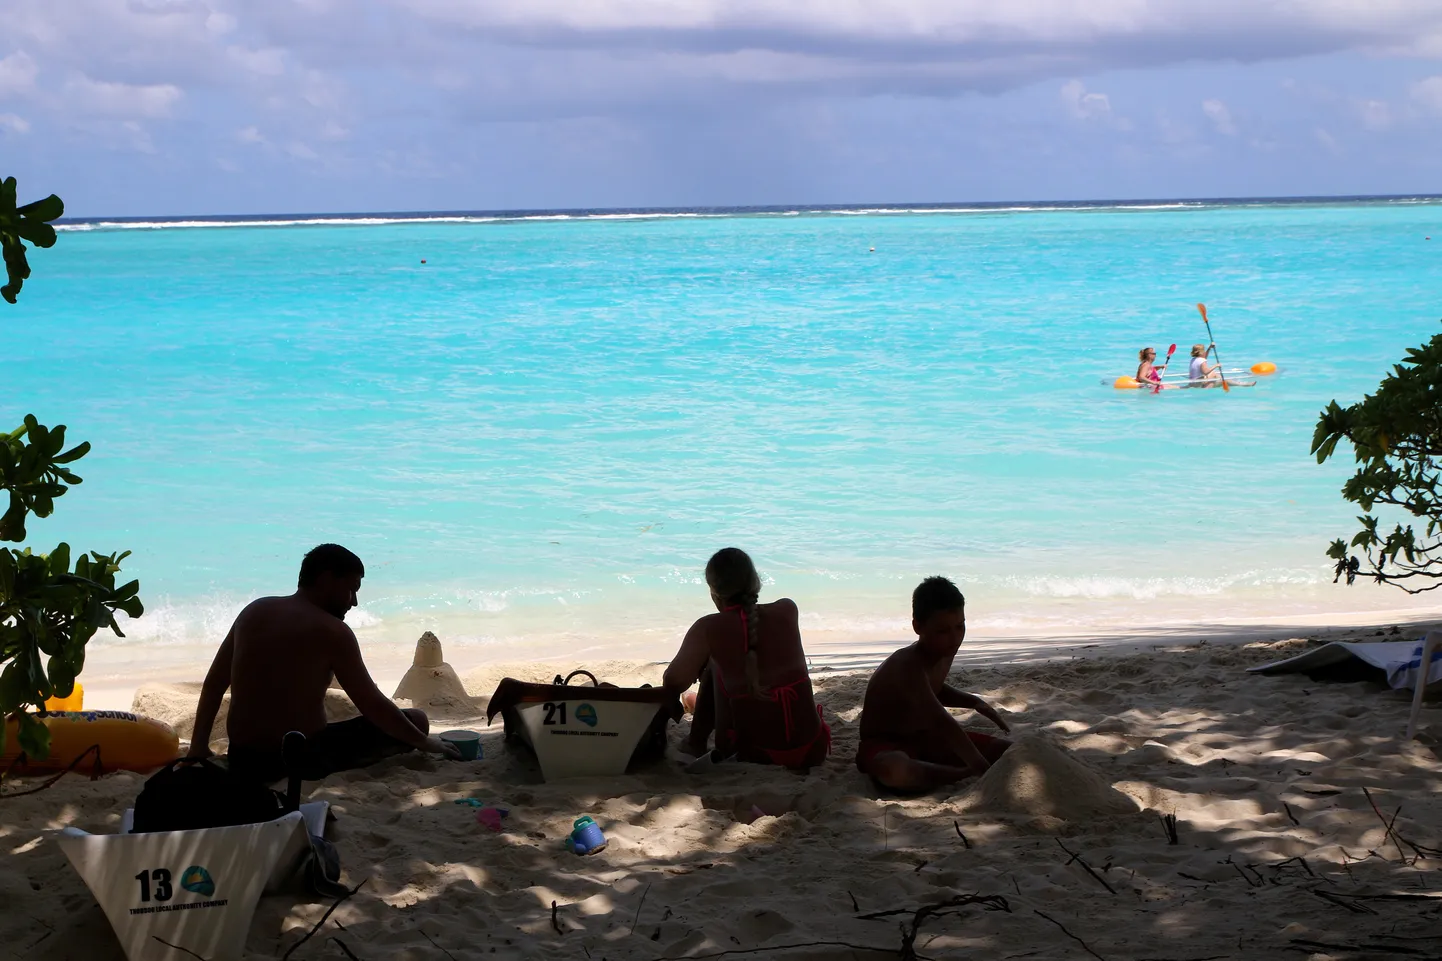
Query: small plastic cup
<point x="467" y="742"/>
<point x="586" y="836"/>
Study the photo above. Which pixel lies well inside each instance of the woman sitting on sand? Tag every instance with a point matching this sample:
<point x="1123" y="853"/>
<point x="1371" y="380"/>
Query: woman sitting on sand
<point x="1147" y="372"/>
<point x="755" y="690"/>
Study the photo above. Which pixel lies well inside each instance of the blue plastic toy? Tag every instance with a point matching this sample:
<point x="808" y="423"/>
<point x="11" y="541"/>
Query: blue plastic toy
<point x="586" y="836"/>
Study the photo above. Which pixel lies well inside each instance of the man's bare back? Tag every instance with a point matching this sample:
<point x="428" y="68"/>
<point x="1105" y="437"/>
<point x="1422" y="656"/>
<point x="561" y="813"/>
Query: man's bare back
<point x="909" y="740"/>
<point x="284" y="650"/>
<point x="278" y="659"/>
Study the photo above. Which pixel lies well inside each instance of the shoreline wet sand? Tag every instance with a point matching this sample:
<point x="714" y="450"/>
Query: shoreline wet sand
<point x="114" y="671"/>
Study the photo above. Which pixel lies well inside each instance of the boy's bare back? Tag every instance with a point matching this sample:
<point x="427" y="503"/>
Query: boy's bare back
<point x="901" y="697"/>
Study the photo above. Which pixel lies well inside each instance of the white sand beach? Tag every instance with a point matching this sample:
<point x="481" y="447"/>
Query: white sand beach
<point x="1059" y="852"/>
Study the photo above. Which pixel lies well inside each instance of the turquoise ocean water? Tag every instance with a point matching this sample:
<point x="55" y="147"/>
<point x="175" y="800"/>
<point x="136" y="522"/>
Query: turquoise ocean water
<point x="545" y="429"/>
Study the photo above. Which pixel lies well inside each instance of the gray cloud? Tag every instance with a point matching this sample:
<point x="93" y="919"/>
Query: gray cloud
<point x="702" y="97"/>
<point x="639" y="47"/>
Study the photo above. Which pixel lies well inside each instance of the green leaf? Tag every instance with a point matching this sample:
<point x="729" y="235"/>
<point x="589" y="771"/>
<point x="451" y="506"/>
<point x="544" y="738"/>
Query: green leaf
<point x="12" y="523"/>
<point x="38" y="684"/>
<point x="34" y="738"/>
<point x="60" y="560"/>
<point x="62" y="679"/>
<point x="17" y="268"/>
<point x="51" y="208"/>
<point x="74" y="454"/>
<point x="55" y="440"/>
<point x="41" y="235"/>
<point x="12" y="688"/>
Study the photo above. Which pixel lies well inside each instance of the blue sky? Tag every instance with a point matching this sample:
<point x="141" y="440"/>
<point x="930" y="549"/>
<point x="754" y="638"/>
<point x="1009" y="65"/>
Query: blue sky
<point x="172" y="107"/>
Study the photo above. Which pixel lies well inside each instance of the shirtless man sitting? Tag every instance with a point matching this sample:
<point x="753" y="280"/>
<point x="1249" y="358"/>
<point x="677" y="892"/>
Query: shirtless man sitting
<point x="278" y="660"/>
<point x="909" y="741"/>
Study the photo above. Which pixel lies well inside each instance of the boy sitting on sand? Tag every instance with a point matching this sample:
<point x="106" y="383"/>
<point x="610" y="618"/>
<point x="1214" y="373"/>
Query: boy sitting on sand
<point x="909" y="741"/>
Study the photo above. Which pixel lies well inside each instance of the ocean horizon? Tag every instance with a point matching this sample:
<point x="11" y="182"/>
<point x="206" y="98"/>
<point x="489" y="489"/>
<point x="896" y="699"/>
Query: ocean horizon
<point x="535" y="426"/>
<point x="372" y="218"/>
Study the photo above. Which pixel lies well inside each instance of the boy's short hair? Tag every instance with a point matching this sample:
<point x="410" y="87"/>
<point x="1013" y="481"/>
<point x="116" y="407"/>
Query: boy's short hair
<point x="329" y="559"/>
<point x="932" y="595"/>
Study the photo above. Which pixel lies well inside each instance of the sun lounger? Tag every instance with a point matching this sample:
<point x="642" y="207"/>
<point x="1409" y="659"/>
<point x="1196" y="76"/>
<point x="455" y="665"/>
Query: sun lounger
<point x="1399" y="663"/>
<point x="1431" y="649"/>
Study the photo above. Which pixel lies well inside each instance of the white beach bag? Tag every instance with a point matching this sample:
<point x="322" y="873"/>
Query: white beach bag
<point x="176" y="895"/>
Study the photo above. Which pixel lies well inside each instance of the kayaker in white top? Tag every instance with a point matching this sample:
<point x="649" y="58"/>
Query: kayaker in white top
<point x="1201" y="373"/>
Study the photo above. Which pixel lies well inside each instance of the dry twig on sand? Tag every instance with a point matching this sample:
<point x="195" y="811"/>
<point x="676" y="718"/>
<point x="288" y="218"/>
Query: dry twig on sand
<point x="437" y="946"/>
<point x="639" y="906"/>
<point x="1330" y="898"/>
<point x="348" y="952"/>
<point x="965" y="843"/>
<point x="919" y="916"/>
<point x="1311" y="946"/>
<point x="323" y="918"/>
<point x="1418" y="851"/>
<point x="781" y="947"/>
<point x="1387" y="826"/>
<point x="176" y="947"/>
<point x="1085" y="947"/>
<point x="1082" y="861"/>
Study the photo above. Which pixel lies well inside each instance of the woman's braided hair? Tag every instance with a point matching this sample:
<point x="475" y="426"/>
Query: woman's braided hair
<point x="733" y="580"/>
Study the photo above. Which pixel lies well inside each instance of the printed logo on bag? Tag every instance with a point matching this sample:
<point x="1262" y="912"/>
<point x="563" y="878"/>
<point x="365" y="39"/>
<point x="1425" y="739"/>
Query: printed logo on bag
<point x="197" y="880"/>
<point x="586" y="714"/>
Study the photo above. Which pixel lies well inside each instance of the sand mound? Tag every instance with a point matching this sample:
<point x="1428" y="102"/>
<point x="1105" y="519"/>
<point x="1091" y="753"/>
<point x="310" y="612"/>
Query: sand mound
<point x="175" y="704"/>
<point x="1038" y="778"/>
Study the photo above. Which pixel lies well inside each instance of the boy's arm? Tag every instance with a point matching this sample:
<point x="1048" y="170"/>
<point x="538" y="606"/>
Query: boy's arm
<point x="217" y="680"/>
<point x="952" y="736"/>
<point x="951" y="697"/>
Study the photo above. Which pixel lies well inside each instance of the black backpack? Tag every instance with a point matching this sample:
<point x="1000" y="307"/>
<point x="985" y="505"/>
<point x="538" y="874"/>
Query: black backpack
<point x="196" y="793"/>
<point x="193" y="793"/>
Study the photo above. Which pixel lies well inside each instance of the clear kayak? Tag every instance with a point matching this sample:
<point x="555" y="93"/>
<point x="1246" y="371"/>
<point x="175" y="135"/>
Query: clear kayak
<point x="1131" y="383"/>
<point x="1236" y="377"/>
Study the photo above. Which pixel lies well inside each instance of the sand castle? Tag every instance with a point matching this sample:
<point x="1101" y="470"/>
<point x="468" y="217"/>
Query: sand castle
<point x="430" y="681"/>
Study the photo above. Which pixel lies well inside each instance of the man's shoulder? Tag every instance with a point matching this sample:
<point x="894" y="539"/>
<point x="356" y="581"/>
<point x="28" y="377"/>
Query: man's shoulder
<point x="290" y="614"/>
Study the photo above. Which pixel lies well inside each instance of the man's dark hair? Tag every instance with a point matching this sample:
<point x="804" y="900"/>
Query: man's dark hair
<point x="932" y="595"/>
<point x="329" y="559"/>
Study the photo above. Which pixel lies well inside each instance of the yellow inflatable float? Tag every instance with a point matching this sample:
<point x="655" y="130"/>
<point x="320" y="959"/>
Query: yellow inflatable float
<point x="1265" y="367"/>
<point x="75" y="702"/>
<point x="1126" y="383"/>
<point x="127" y="741"/>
